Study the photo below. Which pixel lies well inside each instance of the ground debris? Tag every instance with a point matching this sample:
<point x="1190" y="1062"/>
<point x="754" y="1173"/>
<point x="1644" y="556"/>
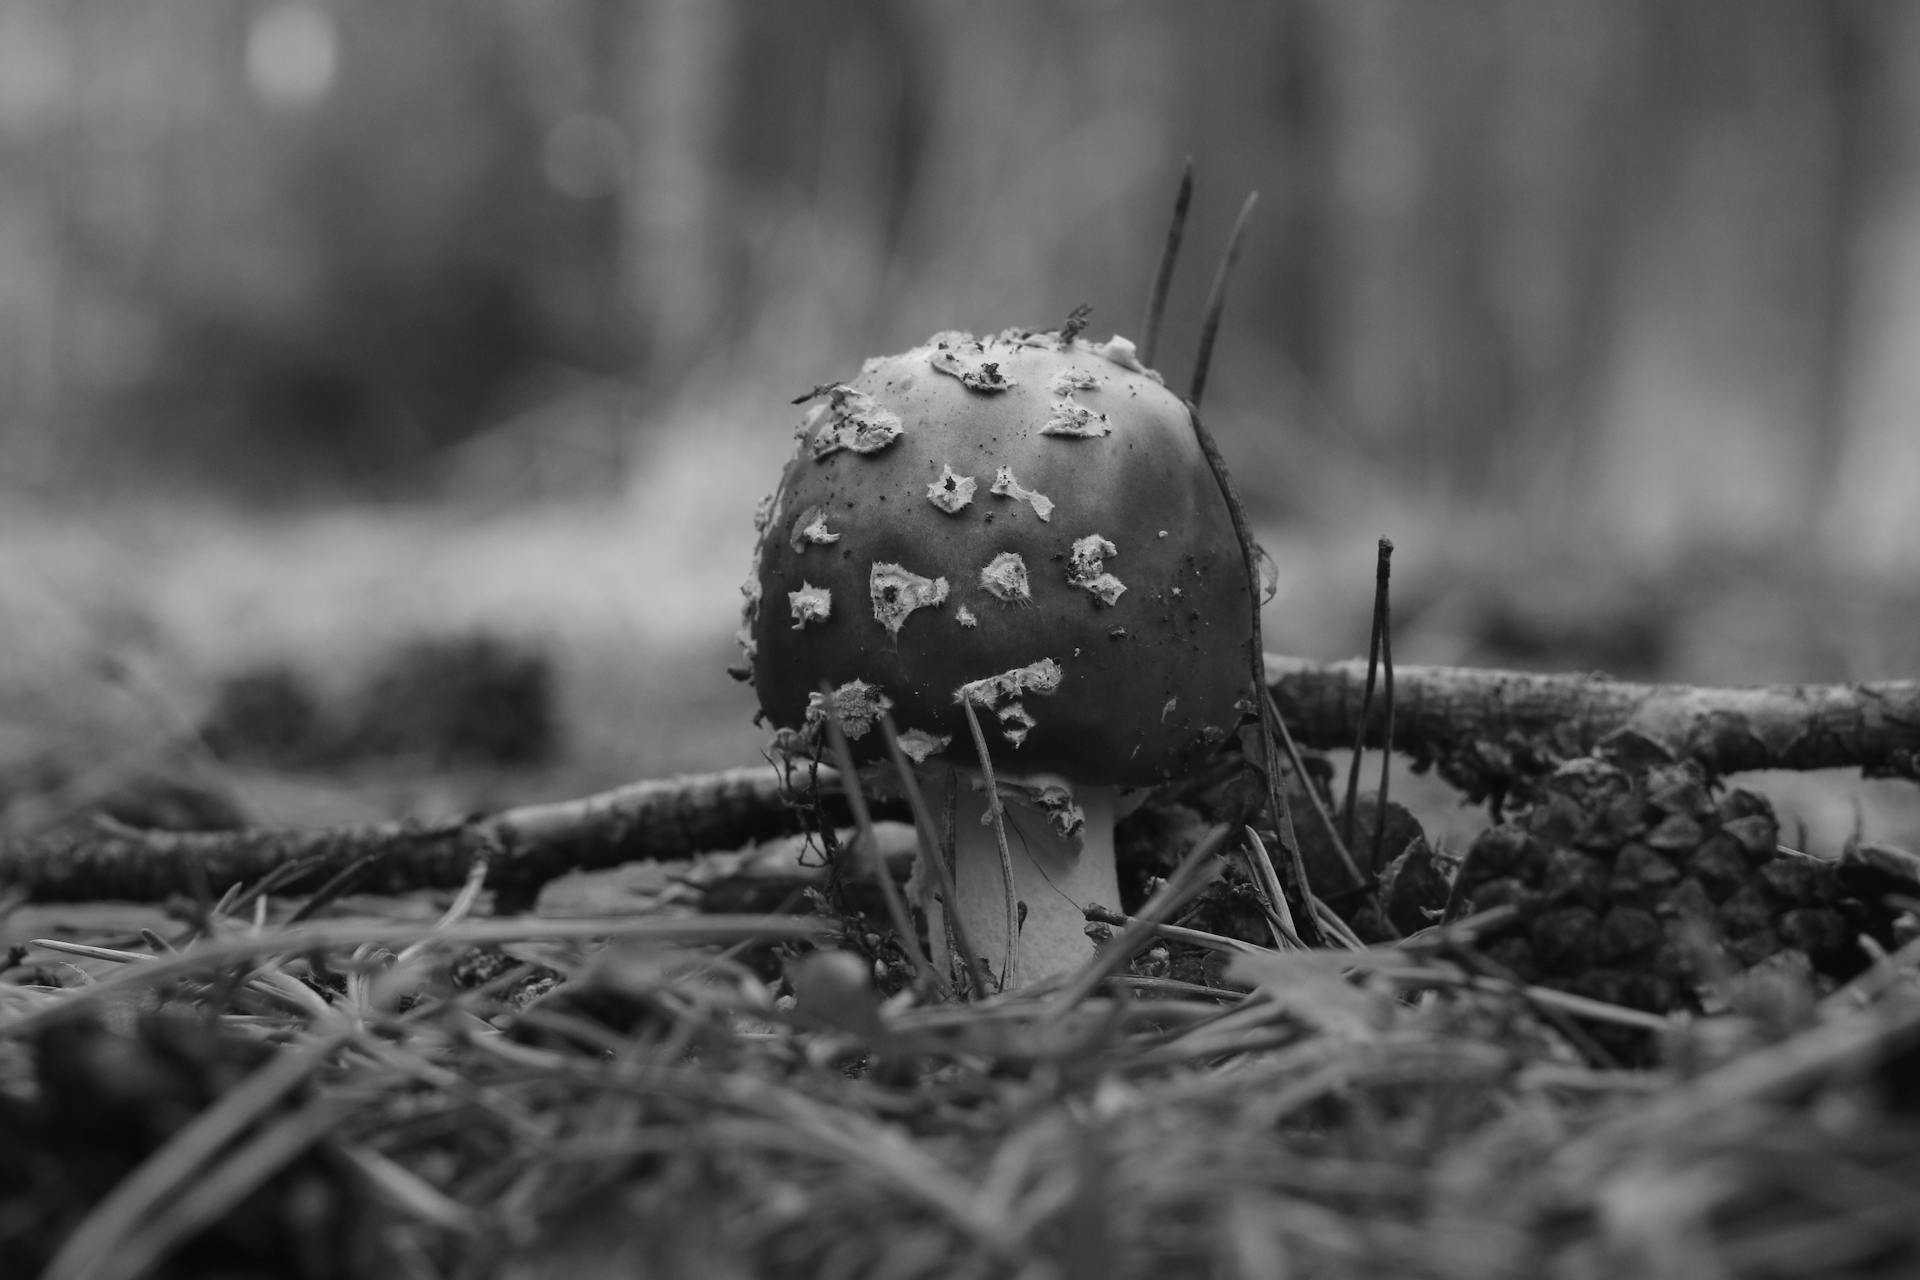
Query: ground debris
<point x="736" y="1094"/>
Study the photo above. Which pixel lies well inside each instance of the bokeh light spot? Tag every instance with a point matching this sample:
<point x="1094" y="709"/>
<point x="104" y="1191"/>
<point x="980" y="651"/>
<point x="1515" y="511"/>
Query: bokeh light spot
<point x="293" y="53"/>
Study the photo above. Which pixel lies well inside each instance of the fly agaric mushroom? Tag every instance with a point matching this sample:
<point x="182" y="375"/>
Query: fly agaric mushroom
<point x="1031" y="560"/>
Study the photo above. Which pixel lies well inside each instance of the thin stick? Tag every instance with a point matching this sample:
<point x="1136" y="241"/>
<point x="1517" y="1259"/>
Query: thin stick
<point x="1386" y="691"/>
<point x="1179" y="933"/>
<point x="1163" y="276"/>
<point x="1481" y="965"/>
<point x="1279" y="911"/>
<point x="1194" y="873"/>
<point x="1269" y="745"/>
<point x="1217" y="301"/>
<point x="1007" y="977"/>
<point x="1366" y="704"/>
<point x="1311" y="935"/>
<point x="340" y="884"/>
<point x="1337" y="928"/>
<point x="1299" y="766"/>
<point x="930" y="849"/>
<point x="332" y="934"/>
<point x="1251" y="555"/>
<point x="863" y="826"/>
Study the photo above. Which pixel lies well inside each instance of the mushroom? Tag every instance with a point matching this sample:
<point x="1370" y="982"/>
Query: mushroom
<point x="1073" y="652"/>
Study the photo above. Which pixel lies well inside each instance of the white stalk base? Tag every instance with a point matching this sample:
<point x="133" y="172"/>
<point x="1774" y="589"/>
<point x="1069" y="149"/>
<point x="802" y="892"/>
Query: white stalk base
<point x="1054" y="879"/>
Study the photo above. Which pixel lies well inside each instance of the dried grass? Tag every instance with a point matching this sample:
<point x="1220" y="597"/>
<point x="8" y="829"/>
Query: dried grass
<point x="710" y="1096"/>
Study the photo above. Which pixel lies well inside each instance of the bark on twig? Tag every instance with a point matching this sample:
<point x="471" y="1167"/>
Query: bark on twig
<point x="1487" y="732"/>
<point x="524" y="847"/>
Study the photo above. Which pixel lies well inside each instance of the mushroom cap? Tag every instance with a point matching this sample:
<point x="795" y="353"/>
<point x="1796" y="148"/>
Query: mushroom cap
<point x="920" y="490"/>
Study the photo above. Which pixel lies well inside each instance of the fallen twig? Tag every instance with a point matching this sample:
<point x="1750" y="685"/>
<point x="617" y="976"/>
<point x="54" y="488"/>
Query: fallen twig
<point x="523" y="847"/>
<point x="1487" y="732"/>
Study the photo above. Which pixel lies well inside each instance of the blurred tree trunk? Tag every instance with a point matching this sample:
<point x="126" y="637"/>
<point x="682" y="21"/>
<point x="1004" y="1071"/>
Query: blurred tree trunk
<point x="1719" y="358"/>
<point x="1859" y="70"/>
<point x="1873" y="500"/>
<point x="673" y="61"/>
<point x="1481" y="179"/>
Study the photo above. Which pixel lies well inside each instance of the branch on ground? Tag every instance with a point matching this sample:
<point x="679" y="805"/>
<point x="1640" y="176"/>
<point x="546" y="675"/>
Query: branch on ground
<point x="524" y="847"/>
<point x="1487" y="733"/>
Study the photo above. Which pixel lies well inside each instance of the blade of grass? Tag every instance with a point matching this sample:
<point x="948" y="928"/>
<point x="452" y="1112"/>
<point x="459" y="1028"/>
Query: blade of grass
<point x="1383" y="573"/>
<point x="411" y="1194"/>
<point x="1279" y="911"/>
<point x="1163" y="275"/>
<point x="1176" y="933"/>
<point x="1195" y="872"/>
<point x="312" y="936"/>
<point x="1348" y="818"/>
<point x="97" y="1246"/>
<point x="1217" y="301"/>
<point x="1299" y="767"/>
<point x="933" y="857"/>
<point x="1008" y="977"/>
<point x="863" y="827"/>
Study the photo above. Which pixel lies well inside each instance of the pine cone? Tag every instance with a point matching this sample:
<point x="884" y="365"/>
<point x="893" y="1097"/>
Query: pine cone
<point x="1634" y="884"/>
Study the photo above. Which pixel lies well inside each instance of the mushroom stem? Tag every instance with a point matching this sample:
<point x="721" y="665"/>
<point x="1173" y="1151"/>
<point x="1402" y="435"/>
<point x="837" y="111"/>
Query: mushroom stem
<point x="1055" y="878"/>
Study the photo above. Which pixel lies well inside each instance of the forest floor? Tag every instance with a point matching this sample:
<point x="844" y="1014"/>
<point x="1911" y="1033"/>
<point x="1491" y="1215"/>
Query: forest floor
<point x="402" y="1086"/>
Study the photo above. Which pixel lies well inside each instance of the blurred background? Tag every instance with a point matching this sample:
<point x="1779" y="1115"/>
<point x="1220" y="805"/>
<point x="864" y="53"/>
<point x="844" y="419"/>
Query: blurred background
<point x="350" y="349"/>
